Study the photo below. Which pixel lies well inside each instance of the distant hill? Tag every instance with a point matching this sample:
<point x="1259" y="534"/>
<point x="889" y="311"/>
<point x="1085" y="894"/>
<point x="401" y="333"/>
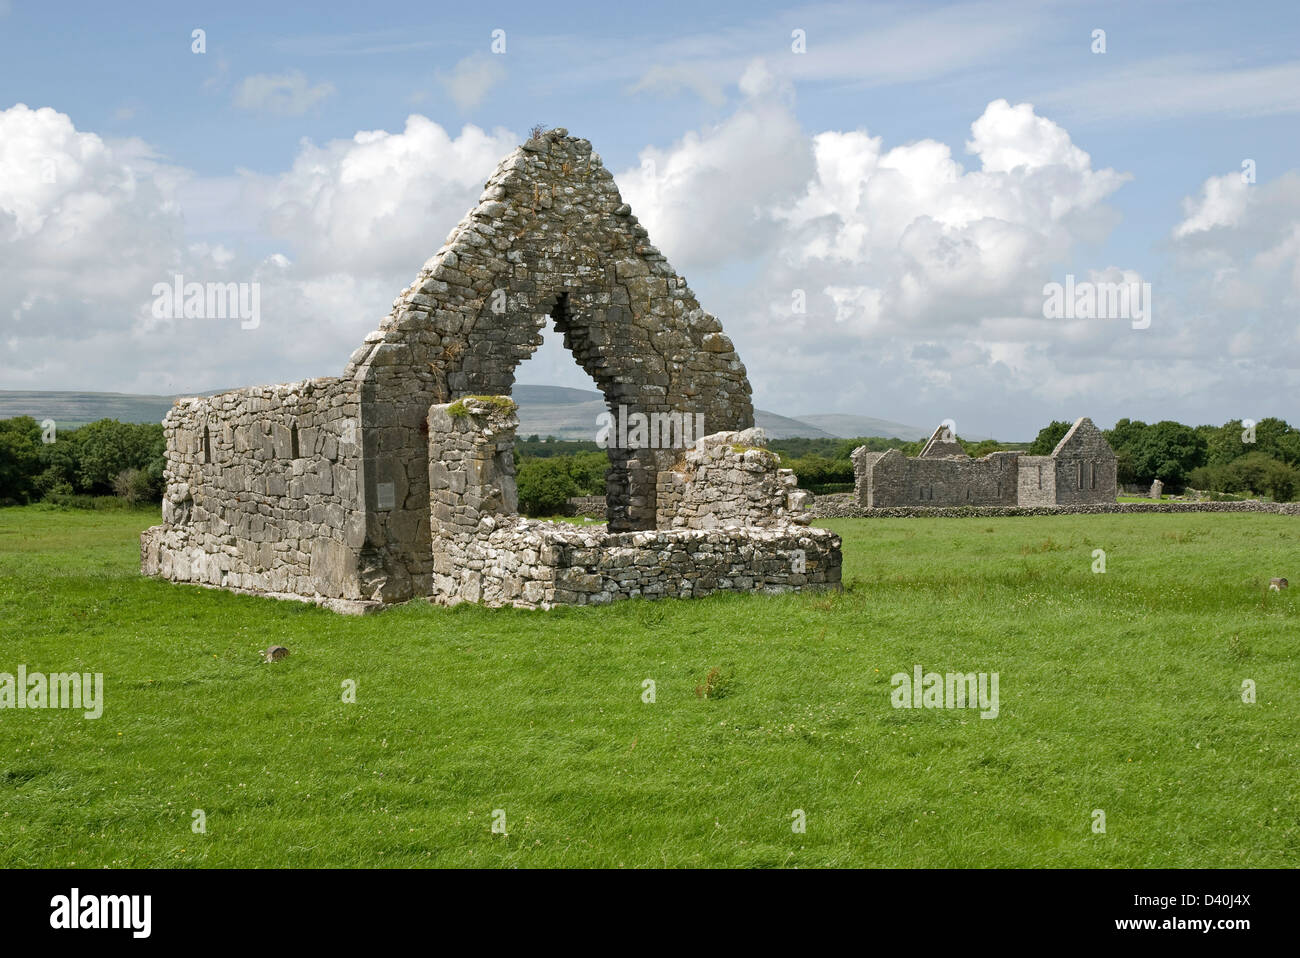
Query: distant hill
<point x="543" y="410"/>
<point x="78" y="408"/>
<point x="572" y="414"/>
<point x="846" y="426"/>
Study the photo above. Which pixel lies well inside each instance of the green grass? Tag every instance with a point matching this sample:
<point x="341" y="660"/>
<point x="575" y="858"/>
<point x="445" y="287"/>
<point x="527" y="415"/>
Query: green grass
<point x="1118" y="691"/>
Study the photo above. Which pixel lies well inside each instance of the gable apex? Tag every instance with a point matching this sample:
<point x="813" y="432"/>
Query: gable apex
<point x="1083" y="438"/>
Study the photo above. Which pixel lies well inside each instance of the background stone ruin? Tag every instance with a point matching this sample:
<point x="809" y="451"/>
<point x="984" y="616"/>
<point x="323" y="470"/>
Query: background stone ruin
<point x="371" y="487"/>
<point x="1080" y="471"/>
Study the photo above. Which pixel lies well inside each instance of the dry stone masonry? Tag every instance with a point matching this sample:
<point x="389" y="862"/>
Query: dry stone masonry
<point x="395" y="480"/>
<point x="1080" y="471"/>
<point x="729" y="481"/>
<point x="484" y="553"/>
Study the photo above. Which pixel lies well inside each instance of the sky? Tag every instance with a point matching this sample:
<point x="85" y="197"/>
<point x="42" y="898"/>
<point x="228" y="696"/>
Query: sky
<point x="873" y="198"/>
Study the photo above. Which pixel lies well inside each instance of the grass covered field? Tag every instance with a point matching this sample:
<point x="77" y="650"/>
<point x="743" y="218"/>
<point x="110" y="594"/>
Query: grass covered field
<point x="1119" y="691"/>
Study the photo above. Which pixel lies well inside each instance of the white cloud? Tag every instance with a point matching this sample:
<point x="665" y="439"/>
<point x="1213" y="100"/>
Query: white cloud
<point x="379" y="202"/>
<point x="923" y="278"/>
<point x="922" y="267"/>
<point x="1238" y="253"/>
<point x="938" y="247"/>
<point x="1222" y="202"/>
<point x="712" y="196"/>
<point x="80" y="255"/>
<point x="471" y="79"/>
<point x="281" y="94"/>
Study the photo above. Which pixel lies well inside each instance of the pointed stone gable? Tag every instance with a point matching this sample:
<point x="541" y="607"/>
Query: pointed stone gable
<point x="551" y="236"/>
<point x="1083" y="439"/>
<point x="550" y="240"/>
<point x="943" y="444"/>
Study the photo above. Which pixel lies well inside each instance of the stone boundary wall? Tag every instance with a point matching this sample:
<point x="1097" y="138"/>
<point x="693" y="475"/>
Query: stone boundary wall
<point x="828" y="507"/>
<point x="262" y="492"/>
<point x="594" y="506"/>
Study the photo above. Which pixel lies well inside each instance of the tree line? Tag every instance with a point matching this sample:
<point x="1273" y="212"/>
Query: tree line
<point x="111" y="458"/>
<point x="104" y="458"/>
<point x="1259" y="459"/>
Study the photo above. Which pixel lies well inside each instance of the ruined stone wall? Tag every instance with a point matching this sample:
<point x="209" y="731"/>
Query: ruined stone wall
<point x="1086" y="468"/>
<point x="485" y="553"/>
<point x="864" y="463"/>
<point x="550" y="237"/>
<point x="729" y="481"/>
<point x="1080" y="470"/>
<point x="592" y="506"/>
<point x="1037" y="481"/>
<point x="533" y="564"/>
<point x="262" y="492"/>
<point x="893" y="479"/>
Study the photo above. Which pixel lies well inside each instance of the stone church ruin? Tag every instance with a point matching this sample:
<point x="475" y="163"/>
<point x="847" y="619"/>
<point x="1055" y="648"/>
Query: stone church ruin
<point x="396" y="480"/>
<point x="1081" y="470"/>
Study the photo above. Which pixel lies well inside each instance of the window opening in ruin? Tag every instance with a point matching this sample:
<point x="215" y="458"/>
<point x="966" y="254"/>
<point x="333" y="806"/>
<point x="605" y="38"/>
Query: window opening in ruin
<point x="560" y="419"/>
<point x="1040" y="477"/>
<point x="1080" y="473"/>
<point x="293" y="441"/>
<point x="207" y="445"/>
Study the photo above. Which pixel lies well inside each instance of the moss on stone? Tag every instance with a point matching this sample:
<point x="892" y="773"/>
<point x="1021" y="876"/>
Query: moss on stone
<point x="503" y="404"/>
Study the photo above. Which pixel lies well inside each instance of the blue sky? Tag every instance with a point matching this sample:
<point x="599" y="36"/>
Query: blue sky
<point x="243" y="160"/>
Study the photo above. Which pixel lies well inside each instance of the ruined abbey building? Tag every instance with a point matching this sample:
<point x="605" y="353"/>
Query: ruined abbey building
<point x="1081" y="470"/>
<point x="395" y="480"/>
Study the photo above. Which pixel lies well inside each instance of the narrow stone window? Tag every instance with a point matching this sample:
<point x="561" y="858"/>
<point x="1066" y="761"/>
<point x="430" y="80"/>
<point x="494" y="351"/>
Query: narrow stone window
<point x="1092" y="473"/>
<point x="1080" y="473"/>
<point x="1040" y="477"/>
<point x="293" y="441"/>
<point x="207" y="445"/>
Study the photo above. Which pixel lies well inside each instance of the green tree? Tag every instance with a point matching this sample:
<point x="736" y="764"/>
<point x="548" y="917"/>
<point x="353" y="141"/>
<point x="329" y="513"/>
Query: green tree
<point x="109" y="447"/>
<point x="1127" y="433"/>
<point x="20" y="458"/>
<point x="1047" y="438"/>
<point x="977" y="450"/>
<point x="544" y="486"/>
<point x="1263" y="475"/>
<point x="1168" y="451"/>
<point x="588" y="471"/>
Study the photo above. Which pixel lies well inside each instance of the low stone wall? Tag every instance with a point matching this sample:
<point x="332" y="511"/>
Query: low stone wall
<point x="534" y="564"/>
<point x="484" y="553"/>
<point x="594" y="506"/>
<point x="843" y="507"/>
